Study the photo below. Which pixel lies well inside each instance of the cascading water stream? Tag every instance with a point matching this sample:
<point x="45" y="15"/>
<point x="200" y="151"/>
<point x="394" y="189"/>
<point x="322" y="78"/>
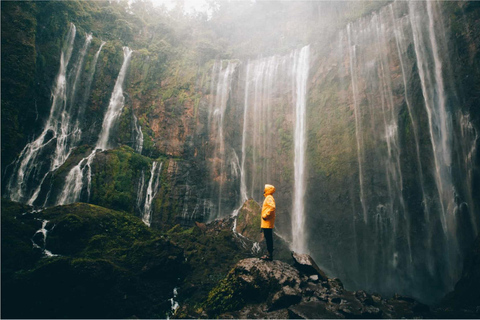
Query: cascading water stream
<point x="117" y="102"/>
<point x="411" y="191"/>
<point x="74" y="182"/>
<point x="138" y="134"/>
<point x="86" y="95"/>
<point x="43" y="234"/>
<point x="68" y="137"/>
<point x="152" y="190"/>
<point x="433" y="92"/>
<point x="216" y="121"/>
<point x="301" y="67"/>
<point x="30" y="168"/>
<point x="243" y="184"/>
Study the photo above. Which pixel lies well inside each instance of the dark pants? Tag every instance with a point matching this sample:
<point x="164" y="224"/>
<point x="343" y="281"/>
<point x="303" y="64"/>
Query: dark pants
<point x="268" y="233"/>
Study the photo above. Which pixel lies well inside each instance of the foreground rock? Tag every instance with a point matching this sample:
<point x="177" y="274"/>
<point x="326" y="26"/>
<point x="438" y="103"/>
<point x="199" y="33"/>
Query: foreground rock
<point x="260" y="289"/>
<point x="90" y="262"/>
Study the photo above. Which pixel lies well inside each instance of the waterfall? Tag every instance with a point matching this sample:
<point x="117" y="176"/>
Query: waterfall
<point x="300" y="70"/>
<point x="216" y="121"/>
<point x="434" y="98"/>
<point x="152" y="190"/>
<point x="413" y="187"/>
<point x="138" y="136"/>
<point x="243" y="185"/>
<point x="43" y="232"/>
<point x="439" y="123"/>
<point x="115" y="105"/>
<point x="141" y="192"/>
<point x="31" y="169"/>
<point x="88" y="86"/>
<point x="399" y="36"/>
<point x="68" y="137"/>
<point x="74" y="182"/>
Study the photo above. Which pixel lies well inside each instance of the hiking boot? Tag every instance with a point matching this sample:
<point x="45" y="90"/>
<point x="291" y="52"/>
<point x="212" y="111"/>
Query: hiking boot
<point x="267" y="257"/>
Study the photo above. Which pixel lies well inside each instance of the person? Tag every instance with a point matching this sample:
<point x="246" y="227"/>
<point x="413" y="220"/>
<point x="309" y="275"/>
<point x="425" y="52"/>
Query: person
<point x="268" y="220"/>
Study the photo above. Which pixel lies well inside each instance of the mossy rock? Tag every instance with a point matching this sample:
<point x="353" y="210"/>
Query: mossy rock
<point x="18" y="228"/>
<point x="107" y="264"/>
<point x="249" y="220"/>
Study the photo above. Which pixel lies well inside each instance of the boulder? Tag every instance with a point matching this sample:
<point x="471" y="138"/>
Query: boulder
<point x="307" y="265"/>
<point x="311" y="310"/>
<point x="256" y="288"/>
<point x="248" y="221"/>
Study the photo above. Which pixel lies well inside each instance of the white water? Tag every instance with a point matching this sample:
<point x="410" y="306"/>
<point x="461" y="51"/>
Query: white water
<point x="74" y="182"/>
<point x="141" y="191"/>
<point x="216" y="122"/>
<point x="243" y="184"/>
<point x="86" y="95"/>
<point x="300" y="70"/>
<point x="138" y="136"/>
<point x="29" y="165"/>
<point x="43" y="231"/>
<point x="433" y="91"/>
<point x="399" y="36"/>
<point x="174" y="303"/>
<point x="152" y="190"/>
<point x="116" y="104"/>
<point x="68" y="137"/>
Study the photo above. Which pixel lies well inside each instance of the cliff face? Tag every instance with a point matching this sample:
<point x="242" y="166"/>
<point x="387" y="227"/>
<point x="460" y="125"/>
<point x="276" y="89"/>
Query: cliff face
<point x="390" y="155"/>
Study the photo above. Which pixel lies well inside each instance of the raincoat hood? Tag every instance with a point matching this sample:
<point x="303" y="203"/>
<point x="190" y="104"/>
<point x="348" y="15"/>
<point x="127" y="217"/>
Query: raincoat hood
<point x="269" y="189"/>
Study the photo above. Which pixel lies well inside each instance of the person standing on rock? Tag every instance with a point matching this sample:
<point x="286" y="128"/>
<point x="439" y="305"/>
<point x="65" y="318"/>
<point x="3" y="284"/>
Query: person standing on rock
<point x="268" y="220"/>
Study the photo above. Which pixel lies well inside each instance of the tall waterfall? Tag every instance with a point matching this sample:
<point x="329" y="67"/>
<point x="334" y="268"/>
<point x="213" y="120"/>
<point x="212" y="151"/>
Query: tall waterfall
<point x="36" y="161"/>
<point x="152" y="190"/>
<point x="216" y="125"/>
<point x="405" y="245"/>
<point x="300" y="71"/>
<point x="75" y="180"/>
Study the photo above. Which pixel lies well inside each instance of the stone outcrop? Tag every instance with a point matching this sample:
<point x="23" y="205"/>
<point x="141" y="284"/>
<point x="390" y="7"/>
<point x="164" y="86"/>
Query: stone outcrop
<point x="307" y="265"/>
<point x="260" y="289"/>
<point x="248" y="221"/>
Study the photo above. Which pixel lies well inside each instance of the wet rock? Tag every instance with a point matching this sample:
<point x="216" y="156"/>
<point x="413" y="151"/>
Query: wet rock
<point x="261" y="289"/>
<point x="305" y="264"/>
<point x="314" y="277"/>
<point x="311" y="310"/>
<point x="285" y="298"/>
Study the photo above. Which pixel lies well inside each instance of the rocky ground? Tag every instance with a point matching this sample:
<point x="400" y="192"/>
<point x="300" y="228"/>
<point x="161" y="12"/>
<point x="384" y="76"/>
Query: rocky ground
<point x="57" y="261"/>
<point x="261" y="289"/>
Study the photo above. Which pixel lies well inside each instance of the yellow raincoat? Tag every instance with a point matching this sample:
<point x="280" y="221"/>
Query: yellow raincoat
<point x="268" y="209"/>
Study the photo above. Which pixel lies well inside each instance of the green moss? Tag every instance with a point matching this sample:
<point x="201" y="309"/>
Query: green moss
<point x="224" y="297"/>
<point x="110" y="261"/>
<point x="18" y="228"/>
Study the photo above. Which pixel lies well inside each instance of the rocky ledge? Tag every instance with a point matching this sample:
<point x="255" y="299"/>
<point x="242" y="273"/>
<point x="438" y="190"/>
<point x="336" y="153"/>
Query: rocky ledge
<point x="255" y="288"/>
